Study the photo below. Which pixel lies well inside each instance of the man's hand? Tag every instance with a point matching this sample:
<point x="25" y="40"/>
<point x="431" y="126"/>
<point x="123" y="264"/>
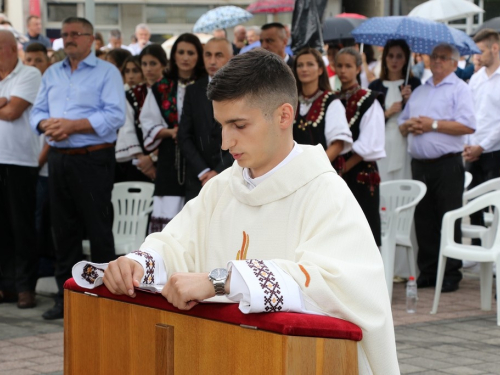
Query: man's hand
<point x="122" y="275"/>
<point x="472" y="153"/>
<point x="185" y="290"/>
<point x="423" y="125"/>
<point x="207" y="176"/>
<point x="3" y="102"/>
<point x="57" y="129"/>
<point x="407" y="126"/>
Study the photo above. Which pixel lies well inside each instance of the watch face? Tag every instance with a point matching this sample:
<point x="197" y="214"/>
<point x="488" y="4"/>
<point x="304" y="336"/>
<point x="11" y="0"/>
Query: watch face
<point x="218" y="274"/>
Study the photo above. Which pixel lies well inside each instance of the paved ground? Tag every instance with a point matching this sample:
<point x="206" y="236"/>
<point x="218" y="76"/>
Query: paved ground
<point x="460" y="339"/>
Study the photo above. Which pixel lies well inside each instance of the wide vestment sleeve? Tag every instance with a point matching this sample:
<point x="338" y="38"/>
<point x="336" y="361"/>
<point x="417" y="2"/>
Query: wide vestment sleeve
<point x="151" y="121"/>
<point x="127" y="144"/>
<point x="370" y="144"/>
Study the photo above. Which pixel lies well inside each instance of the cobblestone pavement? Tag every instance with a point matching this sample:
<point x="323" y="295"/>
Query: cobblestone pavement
<point x="459" y="339"/>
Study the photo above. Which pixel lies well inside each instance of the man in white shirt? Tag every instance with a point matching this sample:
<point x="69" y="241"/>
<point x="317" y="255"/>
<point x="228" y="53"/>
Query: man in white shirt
<point x="115" y="40"/>
<point x="306" y="245"/>
<point x="19" y="149"/>
<point x="483" y="149"/>
<point x="142" y="33"/>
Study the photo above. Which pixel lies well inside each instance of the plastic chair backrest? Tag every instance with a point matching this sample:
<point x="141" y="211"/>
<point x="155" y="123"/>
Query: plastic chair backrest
<point x="131" y="203"/>
<point x="398" y="193"/>
<point x="468" y="179"/>
<point x="483" y="188"/>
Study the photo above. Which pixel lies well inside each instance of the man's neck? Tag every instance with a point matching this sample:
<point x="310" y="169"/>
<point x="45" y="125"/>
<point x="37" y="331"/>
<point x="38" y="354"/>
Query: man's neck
<point x="32" y="34"/>
<point x="283" y="55"/>
<point x="7" y="69"/>
<point x="278" y="159"/>
<point x="440" y="78"/>
<point x="493" y="67"/>
<point x="74" y="61"/>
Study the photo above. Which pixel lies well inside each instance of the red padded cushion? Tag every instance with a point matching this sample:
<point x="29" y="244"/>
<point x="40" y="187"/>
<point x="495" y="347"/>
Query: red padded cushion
<point x="291" y="324"/>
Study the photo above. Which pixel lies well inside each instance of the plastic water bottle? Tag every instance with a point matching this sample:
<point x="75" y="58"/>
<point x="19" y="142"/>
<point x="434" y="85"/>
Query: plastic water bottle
<point x="411" y="296"/>
<point x="383" y="220"/>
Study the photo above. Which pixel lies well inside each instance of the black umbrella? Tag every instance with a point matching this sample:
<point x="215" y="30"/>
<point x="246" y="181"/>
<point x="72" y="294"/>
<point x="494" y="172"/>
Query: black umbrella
<point x="339" y="28"/>
<point x="306" y="24"/>
<point x="494" y="24"/>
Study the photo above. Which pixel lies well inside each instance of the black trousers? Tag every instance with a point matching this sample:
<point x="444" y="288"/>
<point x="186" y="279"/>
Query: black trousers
<point x="80" y="196"/>
<point x="18" y="251"/>
<point x="445" y="186"/>
<point x="486" y="168"/>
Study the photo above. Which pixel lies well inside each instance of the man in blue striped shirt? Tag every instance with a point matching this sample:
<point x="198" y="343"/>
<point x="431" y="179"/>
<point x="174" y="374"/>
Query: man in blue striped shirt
<point x="80" y="107"/>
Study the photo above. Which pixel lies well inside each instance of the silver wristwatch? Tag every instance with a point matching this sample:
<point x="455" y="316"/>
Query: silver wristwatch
<point x="218" y="277"/>
<point x="434" y="126"/>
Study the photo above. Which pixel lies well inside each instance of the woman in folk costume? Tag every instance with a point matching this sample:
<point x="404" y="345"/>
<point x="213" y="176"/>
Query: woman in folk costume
<point x="320" y="118"/>
<point x="365" y="117"/>
<point x="395" y="59"/>
<point x="138" y="163"/>
<point x="160" y="117"/>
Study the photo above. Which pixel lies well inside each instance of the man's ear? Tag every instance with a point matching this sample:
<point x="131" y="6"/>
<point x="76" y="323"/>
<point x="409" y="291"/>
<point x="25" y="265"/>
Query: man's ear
<point x="286" y="115"/>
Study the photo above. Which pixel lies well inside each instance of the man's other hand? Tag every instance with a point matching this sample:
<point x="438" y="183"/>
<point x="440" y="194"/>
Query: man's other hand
<point x="184" y="290"/>
<point x="122" y="275"/>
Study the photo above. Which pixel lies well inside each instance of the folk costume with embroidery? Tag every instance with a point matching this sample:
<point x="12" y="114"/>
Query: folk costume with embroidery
<point x="162" y="109"/>
<point x="301" y="226"/>
<point x="367" y="124"/>
<point x="321" y="120"/>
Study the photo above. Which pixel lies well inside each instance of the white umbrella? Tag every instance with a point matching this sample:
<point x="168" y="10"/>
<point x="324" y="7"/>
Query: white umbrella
<point x="445" y="10"/>
<point x="169" y="43"/>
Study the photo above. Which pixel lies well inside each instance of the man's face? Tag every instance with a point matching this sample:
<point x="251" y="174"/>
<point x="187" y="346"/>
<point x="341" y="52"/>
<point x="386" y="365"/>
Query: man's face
<point x="271" y="40"/>
<point x="8" y="53"/>
<point x="38" y="60"/>
<point x="442" y="63"/>
<point x="252" y="37"/>
<point x="115" y="42"/>
<point x="219" y="34"/>
<point x="486" y="58"/>
<point x="76" y="47"/>
<point x="248" y="135"/>
<point x="142" y="36"/>
<point x="35" y="26"/>
<point x="215" y="56"/>
<point x="240" y="34"/>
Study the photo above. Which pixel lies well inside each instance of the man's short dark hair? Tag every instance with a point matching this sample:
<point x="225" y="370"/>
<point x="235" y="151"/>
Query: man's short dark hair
<point x="83" y="21"/>
<point x="489" y="36"/>
<point x="260" y="76"/>
<point x="37" y="47"/>
<point x="281" y="28"/>
<point x="115" y="33"/>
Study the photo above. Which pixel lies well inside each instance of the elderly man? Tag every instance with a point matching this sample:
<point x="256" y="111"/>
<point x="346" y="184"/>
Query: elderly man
<point x="483" y="149"/>
<point x="253" y="38"/>
<point x="239" y="40"/>
<point x="142" y="33"/>
<point x="115" y="40"/>
<point x="80" y="106"/>
<point x="199" y="136"/>
<point x="34" y="24"/>
<point x="274" y="38"/>
<point x="436" y="119"/>
<point x="19" y="149"/>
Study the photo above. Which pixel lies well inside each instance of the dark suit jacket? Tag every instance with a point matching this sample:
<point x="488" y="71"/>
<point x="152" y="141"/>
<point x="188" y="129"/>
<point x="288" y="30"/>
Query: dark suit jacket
<point x="290" y="62"/>
<point x="200" y="138"/>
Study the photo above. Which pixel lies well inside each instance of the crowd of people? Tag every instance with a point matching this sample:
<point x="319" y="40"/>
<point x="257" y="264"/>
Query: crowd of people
<point x="140" y="116"/>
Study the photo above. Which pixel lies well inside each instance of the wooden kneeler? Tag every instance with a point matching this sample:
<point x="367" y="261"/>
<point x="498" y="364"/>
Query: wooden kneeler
<point x="107" y="334"/>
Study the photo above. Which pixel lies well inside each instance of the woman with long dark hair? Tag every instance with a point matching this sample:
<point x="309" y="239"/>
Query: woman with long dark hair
<point x="366" y="122"/>
<point x="395" y="62"/>
<point x="160" y="118"/>
<point x="320" y="117"/>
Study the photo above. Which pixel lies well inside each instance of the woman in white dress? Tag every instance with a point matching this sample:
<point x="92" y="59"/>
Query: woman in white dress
<point x="395" y="57"/>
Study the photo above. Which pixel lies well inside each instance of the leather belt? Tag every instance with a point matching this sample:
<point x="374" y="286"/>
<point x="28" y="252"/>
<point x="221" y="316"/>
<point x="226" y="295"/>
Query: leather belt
<point x="446" y="156"/>
<point x="82" y="150"/>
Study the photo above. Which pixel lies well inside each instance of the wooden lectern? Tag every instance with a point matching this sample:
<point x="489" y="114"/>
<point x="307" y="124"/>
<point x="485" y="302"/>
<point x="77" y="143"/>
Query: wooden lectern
<point x="108" y="334"/>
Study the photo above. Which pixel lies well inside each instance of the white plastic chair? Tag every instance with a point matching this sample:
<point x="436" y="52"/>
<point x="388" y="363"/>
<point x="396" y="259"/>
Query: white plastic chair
<point x="478" y="231"/>
<point x="399" y="197"/>
<point x="486" y="255"/>
<point x="132" y="203"/>
<point x="468" y="179"/>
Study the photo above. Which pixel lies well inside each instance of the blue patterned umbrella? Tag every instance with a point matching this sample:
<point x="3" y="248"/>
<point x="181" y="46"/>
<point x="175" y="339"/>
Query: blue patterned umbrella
<point x="221" y="18"/>
<point x="420" y="34"/>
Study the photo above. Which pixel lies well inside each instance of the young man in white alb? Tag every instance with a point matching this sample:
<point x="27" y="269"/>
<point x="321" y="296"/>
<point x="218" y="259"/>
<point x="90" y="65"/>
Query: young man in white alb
<point x="279" y="214"/>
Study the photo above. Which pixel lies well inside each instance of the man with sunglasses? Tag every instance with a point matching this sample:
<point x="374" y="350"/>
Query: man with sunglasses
<point x="436" y="120"/>
<point x="80" y="107"/>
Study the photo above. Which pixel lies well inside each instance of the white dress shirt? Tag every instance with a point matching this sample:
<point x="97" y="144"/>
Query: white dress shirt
<point x="486" y="95"/>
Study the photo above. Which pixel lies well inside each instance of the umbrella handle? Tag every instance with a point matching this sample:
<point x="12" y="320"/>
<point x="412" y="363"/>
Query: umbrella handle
<point x="410" y="63"/>
<point x="361" y="48"/>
